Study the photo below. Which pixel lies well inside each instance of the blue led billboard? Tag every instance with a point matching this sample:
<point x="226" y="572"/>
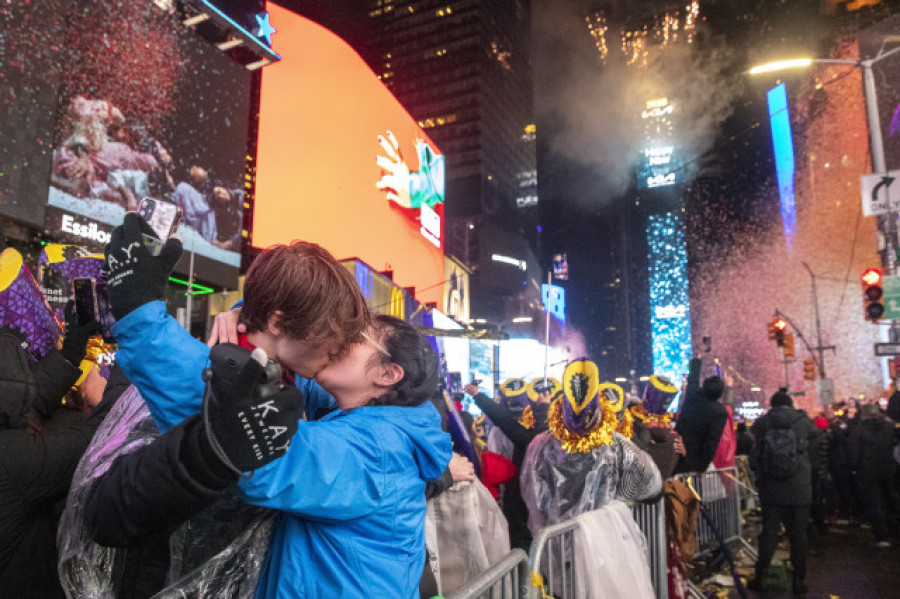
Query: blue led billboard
<point x="780" y="122"/>
<point x="670" y="319"/>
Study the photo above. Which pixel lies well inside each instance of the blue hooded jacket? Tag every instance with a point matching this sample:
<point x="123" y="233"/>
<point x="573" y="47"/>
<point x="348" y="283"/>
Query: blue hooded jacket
<point x="351" y="486"/>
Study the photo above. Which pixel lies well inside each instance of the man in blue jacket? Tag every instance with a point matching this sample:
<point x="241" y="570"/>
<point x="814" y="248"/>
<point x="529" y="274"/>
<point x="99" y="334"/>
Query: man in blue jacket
<point x="352" y="484"/>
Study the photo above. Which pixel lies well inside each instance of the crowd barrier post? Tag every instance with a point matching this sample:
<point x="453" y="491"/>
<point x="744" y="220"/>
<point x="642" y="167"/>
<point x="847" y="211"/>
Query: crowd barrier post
<point x="651" y="519"/>
<point x="553" y="555"/>
<point x="721" y="493"/>
<point x="507" y="579"/>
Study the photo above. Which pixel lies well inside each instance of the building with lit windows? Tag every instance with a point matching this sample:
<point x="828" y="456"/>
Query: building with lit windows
<point x="462" y="70"/>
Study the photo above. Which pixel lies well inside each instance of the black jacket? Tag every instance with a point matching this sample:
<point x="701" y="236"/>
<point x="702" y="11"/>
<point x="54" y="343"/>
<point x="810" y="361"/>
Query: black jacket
<point x="744" y="443"/>
<point x="514" y="507"/>
<point x="41" y="386"/>
<point x="700" y="425"/>
<point x="871" y="446"/>
<point x="35" y="474"/>
<point x="797" y="489"/>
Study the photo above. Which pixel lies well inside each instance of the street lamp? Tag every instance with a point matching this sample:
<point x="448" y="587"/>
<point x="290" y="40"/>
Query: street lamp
<point x="887" y="226"/>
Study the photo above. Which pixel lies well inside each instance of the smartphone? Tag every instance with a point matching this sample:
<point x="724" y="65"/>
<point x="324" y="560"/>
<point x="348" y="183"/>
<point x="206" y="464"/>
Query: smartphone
<point x="85" y="300"/>
<point x="707" y="344"/>
<point x="163" y="217"/>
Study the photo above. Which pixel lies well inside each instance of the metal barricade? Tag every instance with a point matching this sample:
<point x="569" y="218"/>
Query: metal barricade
<point x="552" y="555"/>
<point x="720" y="492"/>
<point x="507" y="579"/>
<point x="651" y="519"/>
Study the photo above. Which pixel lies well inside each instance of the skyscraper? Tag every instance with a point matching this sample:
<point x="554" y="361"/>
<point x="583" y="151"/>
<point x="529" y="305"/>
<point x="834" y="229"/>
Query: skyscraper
<point x="462" y="69"/>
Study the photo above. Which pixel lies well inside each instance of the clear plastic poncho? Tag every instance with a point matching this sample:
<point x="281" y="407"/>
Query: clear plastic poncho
<point x="218" y="553"/>
<point x="467" y="532"/>
<point x="557" y="485"/>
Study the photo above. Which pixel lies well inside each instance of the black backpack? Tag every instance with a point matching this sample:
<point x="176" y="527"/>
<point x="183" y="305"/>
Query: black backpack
<point x="782" y="452"/>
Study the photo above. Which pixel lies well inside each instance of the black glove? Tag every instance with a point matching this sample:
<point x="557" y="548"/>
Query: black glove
<point x="133" y="275"/>
<point x="249" y="417"/>
<point x="75" y="342"/>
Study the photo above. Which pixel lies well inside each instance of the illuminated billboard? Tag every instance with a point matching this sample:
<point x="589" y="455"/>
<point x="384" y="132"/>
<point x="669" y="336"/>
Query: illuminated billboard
<point x="670" y="322"/>
<point x="148" y="108"/>
<point x="660" y="164"/>
<point x="783" y="146"/>
<point x="342" y="164"/>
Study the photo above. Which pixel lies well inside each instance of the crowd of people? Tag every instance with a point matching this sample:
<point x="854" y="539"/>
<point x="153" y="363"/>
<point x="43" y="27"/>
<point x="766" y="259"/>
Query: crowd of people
<point x="308" y="450"/>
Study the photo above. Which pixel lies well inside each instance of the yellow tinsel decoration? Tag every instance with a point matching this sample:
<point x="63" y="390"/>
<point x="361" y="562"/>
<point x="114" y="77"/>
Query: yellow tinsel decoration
<point x="575" y="443"/>
<point x="527" y="419"/>
<point x="626" y="425"/>
<point x="641" y="413"/>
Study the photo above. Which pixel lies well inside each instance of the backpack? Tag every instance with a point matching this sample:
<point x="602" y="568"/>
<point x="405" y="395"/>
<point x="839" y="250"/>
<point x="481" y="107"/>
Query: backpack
<point x="782" y="452"/>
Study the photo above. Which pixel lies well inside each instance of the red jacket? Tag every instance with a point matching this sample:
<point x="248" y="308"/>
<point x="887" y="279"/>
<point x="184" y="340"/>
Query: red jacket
<point x="496" y="470"/>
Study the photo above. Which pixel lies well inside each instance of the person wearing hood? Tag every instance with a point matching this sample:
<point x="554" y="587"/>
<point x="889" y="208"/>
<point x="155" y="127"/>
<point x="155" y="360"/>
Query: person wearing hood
<point x="351" y="485"/>
<point x="36" y="468"/>
<point x="871" y="456"/>
<point x="581" y="463"/>
<point x="783" y="452"/>
<point x="701" y="421"/>
<point x="521" y="430"/>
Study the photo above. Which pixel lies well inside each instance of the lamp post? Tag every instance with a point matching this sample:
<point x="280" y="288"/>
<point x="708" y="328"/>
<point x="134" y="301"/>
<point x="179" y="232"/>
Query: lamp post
<point x="887" y="226"/>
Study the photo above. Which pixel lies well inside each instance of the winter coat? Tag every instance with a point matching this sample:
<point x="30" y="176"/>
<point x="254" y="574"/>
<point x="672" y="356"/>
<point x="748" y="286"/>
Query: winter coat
<point x="744" y="443"/>
<point x="797" y="488"/>
<point x="351" y="487"/>
<point x="662" y="450"/>
<point x="36" y="471"/>
<point x="496" y="470"/>
<point x="871" y="446"/>
<point x="893" y="409"/>
<point x="503" y="418"/>
<point x="700" y="425"/>
<point x="41" y="386"/>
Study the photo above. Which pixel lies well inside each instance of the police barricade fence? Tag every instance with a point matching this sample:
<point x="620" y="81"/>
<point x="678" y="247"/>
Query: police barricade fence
<point x="721" y="493"/>
<point x="507" y="579"/>
<point x="552" y="556"/>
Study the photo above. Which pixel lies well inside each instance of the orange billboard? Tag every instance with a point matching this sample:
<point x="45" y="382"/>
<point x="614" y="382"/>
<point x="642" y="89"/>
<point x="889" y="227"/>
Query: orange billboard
<point x="342" y="164"/>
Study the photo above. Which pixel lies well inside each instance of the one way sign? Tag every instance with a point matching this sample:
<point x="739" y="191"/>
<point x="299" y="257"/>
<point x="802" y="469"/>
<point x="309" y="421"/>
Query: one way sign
<point x="880" y="193"/>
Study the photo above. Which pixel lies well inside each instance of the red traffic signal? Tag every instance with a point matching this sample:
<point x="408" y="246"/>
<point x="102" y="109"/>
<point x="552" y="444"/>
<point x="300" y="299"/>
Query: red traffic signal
<point x="871" y="277"/>
<point x="873" y="294"/>
<point x="780" y="324"/>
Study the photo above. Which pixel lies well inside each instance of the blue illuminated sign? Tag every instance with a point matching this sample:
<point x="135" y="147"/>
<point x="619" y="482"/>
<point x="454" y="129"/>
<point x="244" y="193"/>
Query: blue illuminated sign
<point x="554" y="297"/>
<point x="780" y="121"/>
<point x="670" y="319"/>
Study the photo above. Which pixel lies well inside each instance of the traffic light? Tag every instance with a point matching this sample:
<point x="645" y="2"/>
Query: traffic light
<point x="771" y="327"/>
<point x="788" y="345"/>
<point x="873" y="295"/>
<point x="779" y="324"/>
<point x="809" y="370"/>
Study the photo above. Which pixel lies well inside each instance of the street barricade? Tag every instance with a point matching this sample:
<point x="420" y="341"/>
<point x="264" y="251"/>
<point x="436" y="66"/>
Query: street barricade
<point x="553" y="549"/>
<point x="720" y="493"/>
<point x="507" y="579"/>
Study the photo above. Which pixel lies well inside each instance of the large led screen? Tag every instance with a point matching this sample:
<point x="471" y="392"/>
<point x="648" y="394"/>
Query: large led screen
<point x="342" y="164"/>
<point x="148" y="108"/>
<point x="31" y="36"/>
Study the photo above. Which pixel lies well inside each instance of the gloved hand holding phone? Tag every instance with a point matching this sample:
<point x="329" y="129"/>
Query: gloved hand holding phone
<point x="133" y="275"/>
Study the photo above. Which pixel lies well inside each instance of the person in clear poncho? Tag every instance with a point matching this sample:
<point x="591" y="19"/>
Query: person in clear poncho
<point x="581" y="463"/>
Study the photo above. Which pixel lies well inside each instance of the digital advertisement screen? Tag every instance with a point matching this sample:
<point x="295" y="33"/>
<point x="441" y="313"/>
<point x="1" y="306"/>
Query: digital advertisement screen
<point x="31" y="36"/>
<point x="147" y="108"/>
<point x="342" y="164"/>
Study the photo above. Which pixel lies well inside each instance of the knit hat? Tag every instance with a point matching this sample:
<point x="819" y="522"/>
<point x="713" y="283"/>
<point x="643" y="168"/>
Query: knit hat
<point x="581" y="419"/>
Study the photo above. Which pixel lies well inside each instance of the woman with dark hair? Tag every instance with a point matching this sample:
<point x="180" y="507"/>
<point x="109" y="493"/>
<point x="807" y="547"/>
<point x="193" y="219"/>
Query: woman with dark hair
<point x="351" y="487"/>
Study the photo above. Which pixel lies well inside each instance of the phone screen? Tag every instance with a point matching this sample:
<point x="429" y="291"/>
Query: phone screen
<point x="85" y="300"/>
<point x="162" y="216"/>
